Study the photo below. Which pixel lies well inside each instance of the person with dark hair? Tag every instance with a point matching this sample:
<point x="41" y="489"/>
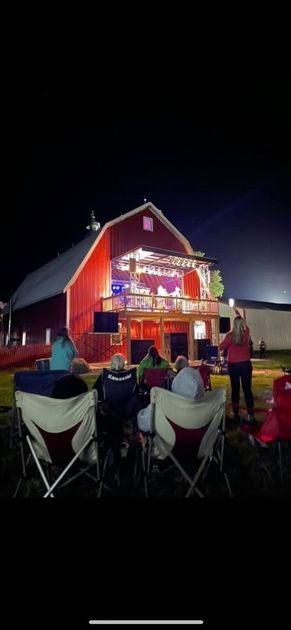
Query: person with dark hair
<point x="63" y="351"/>
<point x="69" y="386"/>
<point x="239" y="366"/>
<point x="152" y="360"/>
<point x="251" y="347"/>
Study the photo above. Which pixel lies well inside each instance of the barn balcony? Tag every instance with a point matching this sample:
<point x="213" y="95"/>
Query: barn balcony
<point x="149" y="304"/>
<point x="148" y="281"/>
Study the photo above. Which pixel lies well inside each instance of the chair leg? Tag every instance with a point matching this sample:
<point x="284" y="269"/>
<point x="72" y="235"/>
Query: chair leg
<point x="22" y="478"/>
<point x="280" y="460"/>
<point x="228" y="485"/>
<point x="145" y="472"/>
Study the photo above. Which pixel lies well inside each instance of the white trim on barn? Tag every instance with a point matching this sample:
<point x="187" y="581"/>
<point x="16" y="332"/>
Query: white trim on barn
<point x="147" y="206"/>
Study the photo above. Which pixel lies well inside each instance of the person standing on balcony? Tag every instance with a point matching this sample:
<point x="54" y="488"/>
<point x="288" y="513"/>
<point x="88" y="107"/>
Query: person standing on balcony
<point x="63" y="351"/>
<point x="152" y="360"/>
<point x="236" y="342"/>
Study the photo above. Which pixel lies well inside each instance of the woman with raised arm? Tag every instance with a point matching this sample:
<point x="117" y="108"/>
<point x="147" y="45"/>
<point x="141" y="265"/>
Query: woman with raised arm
<point x="236" y="342"/>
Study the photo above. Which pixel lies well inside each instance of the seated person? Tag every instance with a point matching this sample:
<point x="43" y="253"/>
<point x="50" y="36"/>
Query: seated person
<point x="187" y="383"/>
<point x="151" y="360"/>
<point x="69" y="386"/>
<point x="124" y="406"/>
<point x="180" y="363"/>
<point x="117" y="365"/>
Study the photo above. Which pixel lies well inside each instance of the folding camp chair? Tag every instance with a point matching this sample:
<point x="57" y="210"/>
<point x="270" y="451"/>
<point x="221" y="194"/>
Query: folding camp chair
<point x="182" y="427"/>
<point x="276" y="428"/>
<point x="32" y="382"/>
<point x="205" y="375"/>
<point x="58" y="433"/>
<point x="121" y="403"/>
<point x="156" y="377"/>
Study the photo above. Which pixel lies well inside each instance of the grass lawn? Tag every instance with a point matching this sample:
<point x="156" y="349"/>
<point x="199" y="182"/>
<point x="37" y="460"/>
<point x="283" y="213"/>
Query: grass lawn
<point x="244" y="463"/>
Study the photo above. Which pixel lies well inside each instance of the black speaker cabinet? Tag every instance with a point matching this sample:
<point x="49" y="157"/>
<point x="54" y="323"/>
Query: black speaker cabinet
<point x="105" y="322"/>
<point x="139" y="349"/>
<point x="224" y="324"/>
<point x="175" y="344"/>
<point x="201" y="348"/>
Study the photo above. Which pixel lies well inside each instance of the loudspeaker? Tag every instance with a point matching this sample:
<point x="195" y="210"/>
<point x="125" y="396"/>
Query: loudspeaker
<point x="105" y="322"/>
<point x="224" y="324"/>
<point x="139" y="349"/>
<point x="201" y="348"/>
<point x="175" y="344"/>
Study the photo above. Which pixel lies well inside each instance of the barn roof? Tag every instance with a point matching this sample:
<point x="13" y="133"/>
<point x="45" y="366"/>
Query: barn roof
<point x="60" y="273"/>
<point x="50" y="279"/>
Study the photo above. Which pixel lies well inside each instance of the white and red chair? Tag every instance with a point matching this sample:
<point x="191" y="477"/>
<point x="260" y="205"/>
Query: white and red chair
<point x="59" y="434"/>
<point x="276" y="428"/>
<point x="181" y="428"/>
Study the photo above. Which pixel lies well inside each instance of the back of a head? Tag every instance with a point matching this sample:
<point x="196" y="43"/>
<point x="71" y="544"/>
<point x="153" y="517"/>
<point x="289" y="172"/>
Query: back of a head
<point x="62" y="335"/>
<point x="153" y="353"/>
<point x="118" y="362"/>
<point x="238" y="330"/>
<point x="181" y="362"/>
<point x="188" y="383"/>
<point x="69" y="386"/>
<point x="63" y="332"/>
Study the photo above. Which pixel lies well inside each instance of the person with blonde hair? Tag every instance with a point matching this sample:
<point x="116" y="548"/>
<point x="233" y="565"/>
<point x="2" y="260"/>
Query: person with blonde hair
<point x="236" y="342"/>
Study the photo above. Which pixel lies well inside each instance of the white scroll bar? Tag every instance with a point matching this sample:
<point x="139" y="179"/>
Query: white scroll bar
<point x="184" y="622"/>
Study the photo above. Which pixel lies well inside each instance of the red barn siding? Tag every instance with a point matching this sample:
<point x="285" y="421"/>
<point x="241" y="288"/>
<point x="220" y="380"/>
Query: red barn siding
<point x="35" y="318"/>
<point x="129" y="234"/>
<point x="92" y="284"/>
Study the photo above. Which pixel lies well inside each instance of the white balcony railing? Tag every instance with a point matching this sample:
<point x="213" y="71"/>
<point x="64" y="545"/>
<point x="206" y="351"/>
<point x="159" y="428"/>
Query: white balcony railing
<point x="159" y="304"/>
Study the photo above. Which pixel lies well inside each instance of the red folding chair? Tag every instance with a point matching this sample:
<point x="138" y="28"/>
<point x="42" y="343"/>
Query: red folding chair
<point x="205" y="375"/>
<point x="156" y="377"/>
<point x="276" y="428"/>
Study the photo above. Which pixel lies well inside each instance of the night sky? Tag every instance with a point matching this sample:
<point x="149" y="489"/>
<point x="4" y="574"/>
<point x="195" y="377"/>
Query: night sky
<point x="211" y="150"/>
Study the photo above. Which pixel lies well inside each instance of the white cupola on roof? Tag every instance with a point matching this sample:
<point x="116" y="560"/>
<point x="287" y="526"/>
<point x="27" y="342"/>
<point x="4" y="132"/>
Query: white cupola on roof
<point x="93" y="225"/>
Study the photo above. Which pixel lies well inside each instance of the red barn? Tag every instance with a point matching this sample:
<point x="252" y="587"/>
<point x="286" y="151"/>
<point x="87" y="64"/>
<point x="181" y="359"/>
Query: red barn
<point x="139" y="266"/>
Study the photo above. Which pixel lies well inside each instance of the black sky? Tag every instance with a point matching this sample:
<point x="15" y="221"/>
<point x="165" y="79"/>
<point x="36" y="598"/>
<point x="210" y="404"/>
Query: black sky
<point x="212" y="150"/>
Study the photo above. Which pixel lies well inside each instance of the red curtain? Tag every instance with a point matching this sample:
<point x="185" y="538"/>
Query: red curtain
<point x="192" y="285"/>
<point x="208" y="330"/>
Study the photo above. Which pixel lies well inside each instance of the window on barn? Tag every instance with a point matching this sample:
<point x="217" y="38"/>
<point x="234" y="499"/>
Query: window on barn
<point x="48" y="336"/>
<point x="148" y="224"/>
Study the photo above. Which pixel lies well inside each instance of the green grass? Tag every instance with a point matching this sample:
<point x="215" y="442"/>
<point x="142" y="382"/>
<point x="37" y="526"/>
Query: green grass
<point x="247" y="478"/>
